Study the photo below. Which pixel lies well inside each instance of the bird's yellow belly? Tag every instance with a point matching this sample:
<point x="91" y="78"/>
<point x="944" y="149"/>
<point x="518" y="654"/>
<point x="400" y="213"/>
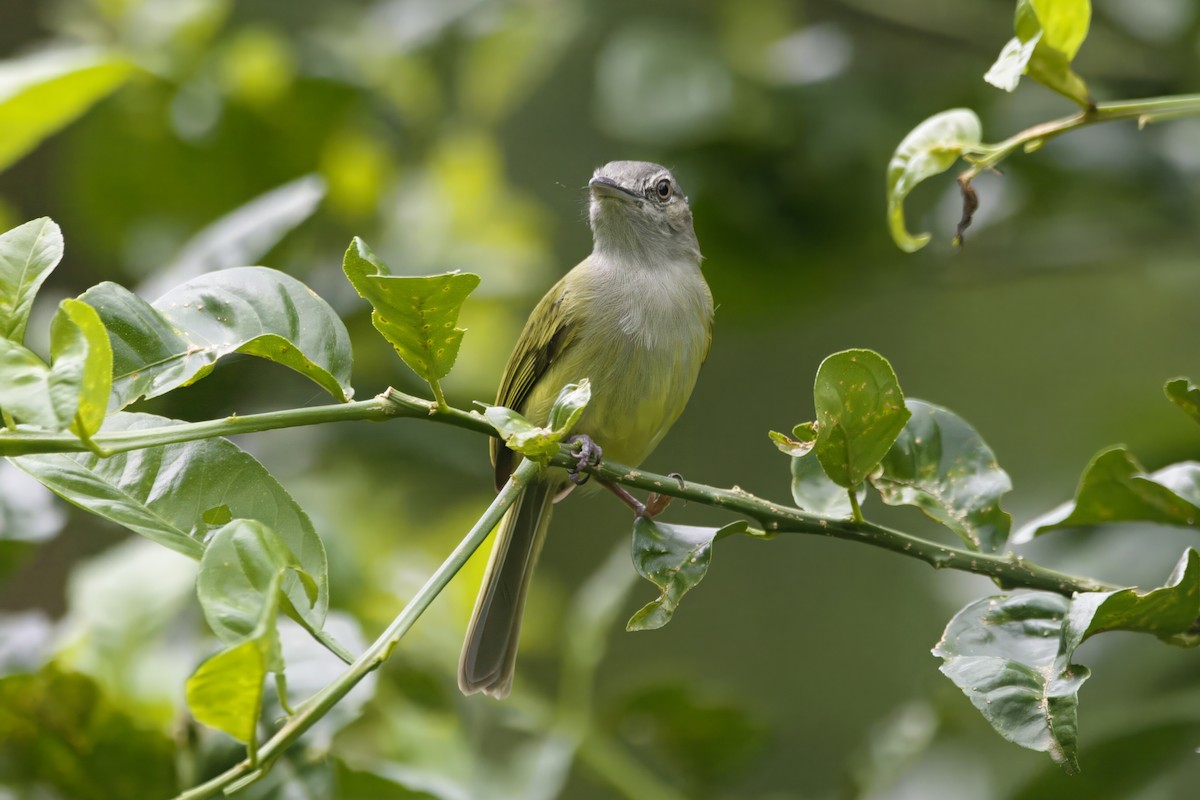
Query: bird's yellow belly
<point x="637" y="394"/>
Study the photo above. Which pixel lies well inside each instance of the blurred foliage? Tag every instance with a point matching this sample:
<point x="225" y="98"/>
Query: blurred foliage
<point x="457" y="134"/>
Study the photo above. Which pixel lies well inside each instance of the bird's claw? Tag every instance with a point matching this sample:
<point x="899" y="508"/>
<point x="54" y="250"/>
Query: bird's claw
<point x="589" y="456"/>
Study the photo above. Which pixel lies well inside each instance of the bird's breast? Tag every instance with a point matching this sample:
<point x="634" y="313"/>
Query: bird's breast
<point x="641" y="345"/>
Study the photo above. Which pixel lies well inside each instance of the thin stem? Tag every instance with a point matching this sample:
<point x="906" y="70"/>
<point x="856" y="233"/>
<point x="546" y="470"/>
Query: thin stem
<point x="1008" y="569"/>
<point x="389" y="404"/>
<point x="855" y="508"/>
<point x="319" y="704"/>
<point x="1145" y="111"/>
<point x="438" y="397"/>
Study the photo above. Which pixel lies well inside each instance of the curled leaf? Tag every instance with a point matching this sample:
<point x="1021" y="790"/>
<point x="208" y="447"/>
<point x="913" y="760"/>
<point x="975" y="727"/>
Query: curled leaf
<point x="674" y="558"/>
<point x="929" y="149"/>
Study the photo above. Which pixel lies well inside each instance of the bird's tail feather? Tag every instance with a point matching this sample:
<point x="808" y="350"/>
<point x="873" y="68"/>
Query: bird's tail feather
<point x="490" y="651"/>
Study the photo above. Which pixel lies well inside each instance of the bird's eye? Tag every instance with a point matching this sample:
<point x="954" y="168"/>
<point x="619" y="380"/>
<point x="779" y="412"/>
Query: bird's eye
<point x="663" y="189"/>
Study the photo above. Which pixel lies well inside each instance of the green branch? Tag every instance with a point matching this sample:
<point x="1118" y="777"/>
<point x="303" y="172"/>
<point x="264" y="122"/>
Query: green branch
<point x="249" y="770"/>
<point x="390" y="404"/>
<point x="1145" y="111"/>
<point x="1008" y="570"/>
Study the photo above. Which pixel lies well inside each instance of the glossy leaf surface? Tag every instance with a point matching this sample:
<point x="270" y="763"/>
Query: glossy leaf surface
<point x="1005" y="654"/>
<point x="178" y="339"/>
<point x="943" y="467"/>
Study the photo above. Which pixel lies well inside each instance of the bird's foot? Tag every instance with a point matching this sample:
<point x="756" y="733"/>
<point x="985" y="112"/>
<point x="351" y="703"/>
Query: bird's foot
<point x="589" y="456"/>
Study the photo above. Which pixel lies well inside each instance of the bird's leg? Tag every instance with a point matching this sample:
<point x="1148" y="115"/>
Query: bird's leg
<point x="639" y="508"/>
<point x="589" y="456"/>
<point x="657" y="503"/>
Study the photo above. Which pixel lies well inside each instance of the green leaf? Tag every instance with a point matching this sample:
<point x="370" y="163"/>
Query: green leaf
<point x="929" y="149"/>
<point x="860" y="412"/>
<point x="163" y="493"/>
<point x="25" y="387"/>
<point x="1049" y="34"/>
<point x="806" y="438"/>
<point x="58" y="729"/>
<point x="1063" y="24"/>
<point x="73" y="392"/>
<point x="1184" y="394"/>
<point x="1005" y="654"/>
<point x="241" y="570"/>
<point x="83" y="362"/>
<point x="1116" y="488"/>
<point x="43" y="92"/>
<point x="674" y="558"/>
<point x="178" y="339"/>
<point x="417" y="315"/>
<point x="28" y="253"/>
<point x="226" y="691"/>
<point x="536" y="442"/>
<point x="814" y="492"/>
<point x="943" y="467"/>
<point x="1170" y="612"/>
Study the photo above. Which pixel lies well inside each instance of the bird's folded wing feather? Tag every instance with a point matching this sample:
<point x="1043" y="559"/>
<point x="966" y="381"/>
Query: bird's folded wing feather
<point x="548" y="333"/>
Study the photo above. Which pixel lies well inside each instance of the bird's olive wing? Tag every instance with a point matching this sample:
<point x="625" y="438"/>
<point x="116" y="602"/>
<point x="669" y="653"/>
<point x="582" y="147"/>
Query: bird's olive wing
<point x="549" y="331"/>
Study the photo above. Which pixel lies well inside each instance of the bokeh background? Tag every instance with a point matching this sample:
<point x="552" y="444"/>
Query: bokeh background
<point x="458" y="134"/>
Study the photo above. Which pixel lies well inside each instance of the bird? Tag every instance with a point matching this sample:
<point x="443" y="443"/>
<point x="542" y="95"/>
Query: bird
<point x="635" y="319"/>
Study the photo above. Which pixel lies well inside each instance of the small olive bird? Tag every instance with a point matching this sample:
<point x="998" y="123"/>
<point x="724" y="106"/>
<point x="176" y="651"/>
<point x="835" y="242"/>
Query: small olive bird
<point x="634" y="317"/>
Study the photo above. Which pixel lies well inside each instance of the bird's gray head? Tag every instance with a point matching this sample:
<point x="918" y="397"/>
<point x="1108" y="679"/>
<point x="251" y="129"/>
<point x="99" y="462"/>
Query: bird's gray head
<point x="638" y="210"/>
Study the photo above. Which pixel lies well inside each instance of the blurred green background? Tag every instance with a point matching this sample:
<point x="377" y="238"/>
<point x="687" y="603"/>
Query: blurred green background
<point x="458" y="134"/>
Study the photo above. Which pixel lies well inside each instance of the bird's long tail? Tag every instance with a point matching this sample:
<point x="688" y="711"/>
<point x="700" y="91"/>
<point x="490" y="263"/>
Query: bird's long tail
<point x="490" y="651"/>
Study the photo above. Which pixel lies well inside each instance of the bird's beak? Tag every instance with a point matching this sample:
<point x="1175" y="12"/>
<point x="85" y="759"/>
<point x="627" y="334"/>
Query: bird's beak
<point x="607" y="187"/>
